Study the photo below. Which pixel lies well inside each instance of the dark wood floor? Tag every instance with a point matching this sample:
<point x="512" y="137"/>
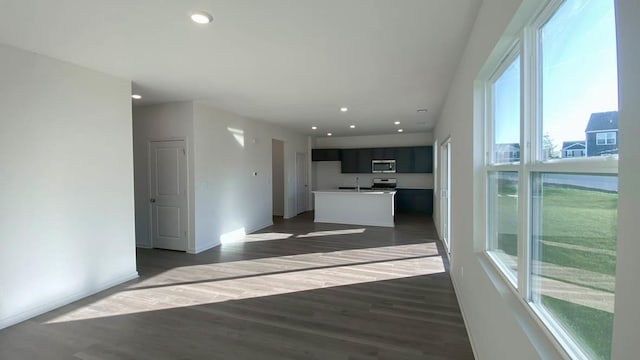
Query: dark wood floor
<point x="296" y="290"/>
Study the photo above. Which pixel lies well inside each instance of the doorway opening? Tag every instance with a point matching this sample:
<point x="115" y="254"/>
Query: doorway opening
<point x="302" y="183"/>
<point x="445" y="202"/>
<point x="277" y="178"/>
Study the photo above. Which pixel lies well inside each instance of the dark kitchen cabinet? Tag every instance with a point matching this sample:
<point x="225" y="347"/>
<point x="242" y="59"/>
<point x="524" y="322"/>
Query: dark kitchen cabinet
<point x="356" y="161"/>
<point x="383" y="154"/>
<point x="422" y="159"/>
<point x="364" y="161"/>
<point x="411" y="159"/>
<point x="325" y="154"/>
<point x="404" y="159"/>
<point x="349" y="158"/>
<point x="415" y="159"/>
<point x="414" y="201"/>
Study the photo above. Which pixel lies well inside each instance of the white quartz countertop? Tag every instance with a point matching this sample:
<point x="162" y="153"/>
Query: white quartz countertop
<point x="355" y="192"/>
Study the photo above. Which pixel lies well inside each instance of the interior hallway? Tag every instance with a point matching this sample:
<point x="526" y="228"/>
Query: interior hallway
<point x="294" y="290"/>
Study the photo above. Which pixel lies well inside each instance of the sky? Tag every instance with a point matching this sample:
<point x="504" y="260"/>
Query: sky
<point x="579" y="75"/>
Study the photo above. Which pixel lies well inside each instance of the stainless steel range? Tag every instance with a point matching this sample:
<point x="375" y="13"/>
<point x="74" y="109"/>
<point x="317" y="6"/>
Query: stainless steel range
<point x="384" y="183"/>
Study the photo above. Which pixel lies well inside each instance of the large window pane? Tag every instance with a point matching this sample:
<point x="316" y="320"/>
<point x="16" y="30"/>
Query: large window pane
<point x="574" y="255"/>
<point x="503" y="225"/>
<point x="506" y="114"/>
<point x="579" y="81"/>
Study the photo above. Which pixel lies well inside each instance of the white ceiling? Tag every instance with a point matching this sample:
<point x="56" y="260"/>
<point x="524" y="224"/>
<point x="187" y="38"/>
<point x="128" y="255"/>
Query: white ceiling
<point x="291" y="62"/>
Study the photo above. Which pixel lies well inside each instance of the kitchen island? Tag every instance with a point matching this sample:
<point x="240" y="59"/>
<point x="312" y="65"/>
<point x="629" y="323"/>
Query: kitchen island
<point x="365" y="207"/>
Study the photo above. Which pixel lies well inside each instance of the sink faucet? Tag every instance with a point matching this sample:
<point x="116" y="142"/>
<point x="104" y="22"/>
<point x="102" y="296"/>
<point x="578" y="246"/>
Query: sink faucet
<point x="357" y="183"/>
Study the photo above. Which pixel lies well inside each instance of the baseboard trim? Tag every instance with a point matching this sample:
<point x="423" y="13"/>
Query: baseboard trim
<point x="203" y="248"/>
<point x="259" y="227"/>
<point x="52" y="305"/>
<point x="464" y="317"/>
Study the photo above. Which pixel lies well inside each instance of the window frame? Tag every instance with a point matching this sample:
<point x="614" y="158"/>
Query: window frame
<point x="526" y="43"/>
<point x="490" y="165"/>
<point x="606" y="136"/>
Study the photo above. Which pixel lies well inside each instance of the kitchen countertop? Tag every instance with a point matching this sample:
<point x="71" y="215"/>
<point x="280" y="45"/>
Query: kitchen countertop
<point x="353" y="191"/>
<point x="413" y="188"/>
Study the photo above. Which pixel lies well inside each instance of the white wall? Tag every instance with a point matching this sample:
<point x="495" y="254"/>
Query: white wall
<point x="152" y="123"/>
<point x="499" y="326"/>
<point x="66" y="184"/>
<point x="328" y="175"/>
<point x="229" y="198"/>
<point x="277" y="171"/>
<point x="226" y="199"/>
<point x="627" y="316"/>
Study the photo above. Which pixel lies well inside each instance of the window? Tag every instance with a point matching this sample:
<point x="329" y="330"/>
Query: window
<point x="506" y="111"/>
<point x="574" y="256"/>
<point x="504" y="96"/>
<point x="551" y="218"/>
<point x="606" y="138"/>
<point x="503" y="227"/>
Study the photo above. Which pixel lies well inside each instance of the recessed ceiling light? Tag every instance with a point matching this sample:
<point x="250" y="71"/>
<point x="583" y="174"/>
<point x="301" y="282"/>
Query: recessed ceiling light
<point x="422" y="110"/>
<point x="201" y="17"/>
<point x="344" y="109"/>
<point x="136" y="96"/>
<point x="329" y="134"/>
<point x="397" y="122"/>
<point x="400" y="130"/>
<point x="352" y="126"/>
<point x="314" y="127"/>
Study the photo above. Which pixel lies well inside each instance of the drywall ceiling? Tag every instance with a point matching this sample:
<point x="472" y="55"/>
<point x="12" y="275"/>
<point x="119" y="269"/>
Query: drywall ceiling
<point x="290" y="62"/>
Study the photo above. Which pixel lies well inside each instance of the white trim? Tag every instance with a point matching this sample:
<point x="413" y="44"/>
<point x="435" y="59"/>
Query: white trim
<point x="445" y="228"/>
<point x="457" y="291"/>
<point x="575" y="144"/>
<point x="65" y="300"/>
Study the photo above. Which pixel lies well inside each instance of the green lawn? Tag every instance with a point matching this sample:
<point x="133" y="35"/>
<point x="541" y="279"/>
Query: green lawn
<point x="579" y="231"/>
<point x="593" y="327"/>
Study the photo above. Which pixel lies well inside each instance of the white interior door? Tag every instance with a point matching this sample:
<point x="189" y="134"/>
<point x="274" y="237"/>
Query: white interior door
<point x="168" y="194"/>
<point x="445" y="195"/>
<point x="302" y="186"/>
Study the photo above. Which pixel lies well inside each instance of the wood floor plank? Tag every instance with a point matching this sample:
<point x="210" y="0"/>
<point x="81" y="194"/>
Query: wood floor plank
<point x="295" y="290"/>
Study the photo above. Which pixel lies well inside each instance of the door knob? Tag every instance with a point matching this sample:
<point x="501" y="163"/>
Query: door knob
<point x="152" y="200"/>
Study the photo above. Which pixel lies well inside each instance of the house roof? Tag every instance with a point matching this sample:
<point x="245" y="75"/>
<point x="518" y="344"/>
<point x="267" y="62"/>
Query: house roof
<point x="603" y="121"/>
<point x="578" y="144"/>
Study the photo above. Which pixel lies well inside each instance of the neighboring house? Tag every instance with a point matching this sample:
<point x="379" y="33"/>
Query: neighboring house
<point x="574" y="149"/>
<point x="602" y="134"/>
<point x="507" y="153"/>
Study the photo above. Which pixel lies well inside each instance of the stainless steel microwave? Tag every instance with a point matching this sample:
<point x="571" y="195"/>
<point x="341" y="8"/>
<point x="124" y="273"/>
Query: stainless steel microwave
<point x="383" y="166"/>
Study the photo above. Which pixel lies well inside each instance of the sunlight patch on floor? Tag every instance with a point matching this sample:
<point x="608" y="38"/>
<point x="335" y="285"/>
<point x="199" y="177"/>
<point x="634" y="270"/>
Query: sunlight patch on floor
<point x="260" y="237"/>
<point x="225" y="270"/>
<point x="253" y="279"/>
<point x="333" y="232"/>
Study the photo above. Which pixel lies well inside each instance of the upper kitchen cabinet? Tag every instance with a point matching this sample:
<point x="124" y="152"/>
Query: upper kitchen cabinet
<point x="411" y="159"/>
<point x="356" y="161"/>
<point x="415" y="159"/>
<point x="325" y="154"/>
<point x="404" y="160"/>
<point x="383" y="154"/>
<point x="422" y="159"/>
